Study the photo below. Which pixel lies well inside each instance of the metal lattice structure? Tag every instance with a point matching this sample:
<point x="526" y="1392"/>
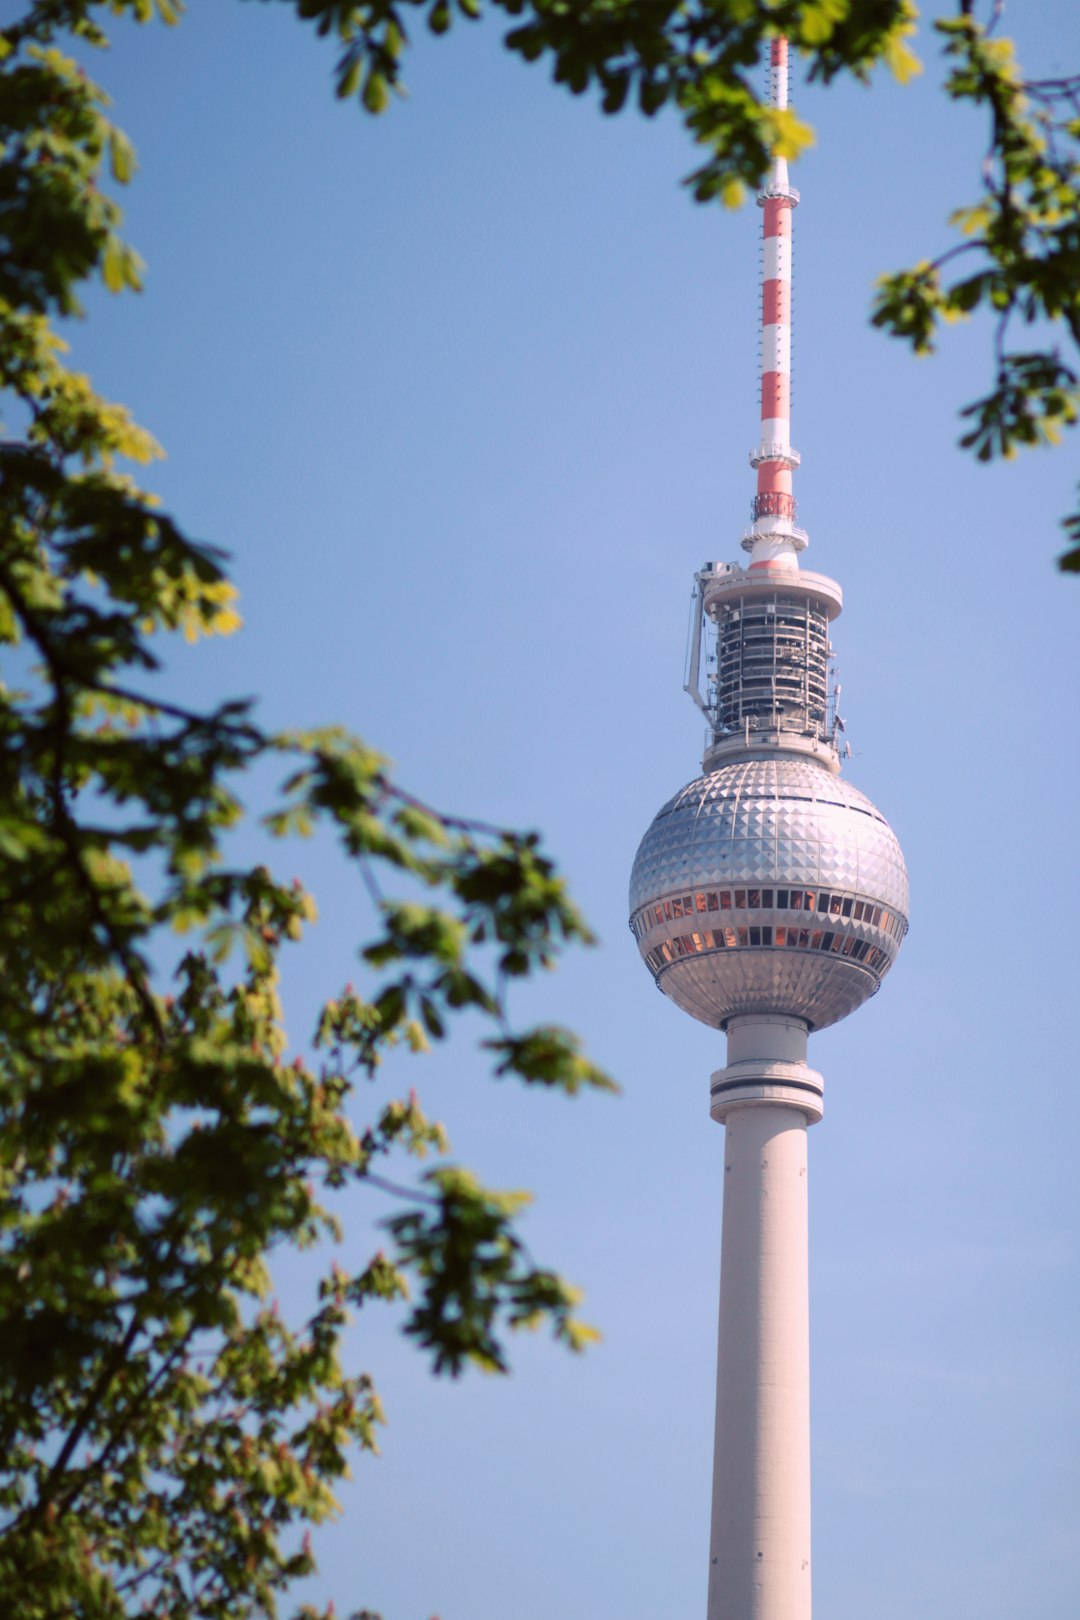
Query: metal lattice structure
<point x="763" y="639"/>
<point x="773" y="664"/>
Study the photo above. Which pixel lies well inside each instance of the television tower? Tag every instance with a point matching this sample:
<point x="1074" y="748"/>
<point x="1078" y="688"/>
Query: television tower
<point x="768" y="899"/>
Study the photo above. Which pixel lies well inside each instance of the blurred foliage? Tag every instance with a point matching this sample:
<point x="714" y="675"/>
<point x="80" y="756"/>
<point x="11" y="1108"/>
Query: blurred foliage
<point x="167" y="1435"/>
<point x="1020" y="254"/>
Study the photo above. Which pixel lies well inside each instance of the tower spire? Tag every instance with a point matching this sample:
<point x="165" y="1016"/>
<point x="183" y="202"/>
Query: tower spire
<point x="773" y="540"/>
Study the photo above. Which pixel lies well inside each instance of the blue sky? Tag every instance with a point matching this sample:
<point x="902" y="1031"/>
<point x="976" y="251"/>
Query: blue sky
<point x="468" y="393"/>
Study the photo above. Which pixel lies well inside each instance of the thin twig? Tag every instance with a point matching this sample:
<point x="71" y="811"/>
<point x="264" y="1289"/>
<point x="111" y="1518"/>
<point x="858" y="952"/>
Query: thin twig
<point x="411" y="1193"/>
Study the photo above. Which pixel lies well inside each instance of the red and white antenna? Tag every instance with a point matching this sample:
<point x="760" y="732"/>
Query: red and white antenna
<point x="773" y="540"/>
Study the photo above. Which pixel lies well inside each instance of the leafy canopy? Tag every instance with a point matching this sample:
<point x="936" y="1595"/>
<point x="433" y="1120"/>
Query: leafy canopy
<point x="166" y="1435"/>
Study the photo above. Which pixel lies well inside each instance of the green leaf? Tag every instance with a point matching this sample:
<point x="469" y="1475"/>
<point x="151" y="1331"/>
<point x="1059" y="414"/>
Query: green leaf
<point x="349" y="78"/>
<point x="376" y="93"/>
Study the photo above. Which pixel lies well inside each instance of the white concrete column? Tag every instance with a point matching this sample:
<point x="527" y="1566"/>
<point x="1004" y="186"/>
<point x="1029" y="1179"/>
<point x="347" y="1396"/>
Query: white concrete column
<point x="759" y="1565"/>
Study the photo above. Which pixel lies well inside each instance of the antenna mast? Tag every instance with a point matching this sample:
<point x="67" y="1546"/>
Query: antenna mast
<point x="773" y="539"/>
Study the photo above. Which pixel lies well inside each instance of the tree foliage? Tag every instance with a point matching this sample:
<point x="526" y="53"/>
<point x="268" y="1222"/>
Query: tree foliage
<point x="166" y="1435"/>
<point x="1020" y="254"/>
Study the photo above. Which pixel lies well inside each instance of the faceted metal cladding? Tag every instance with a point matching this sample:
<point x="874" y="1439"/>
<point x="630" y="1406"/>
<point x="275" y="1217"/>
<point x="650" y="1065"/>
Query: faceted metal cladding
<point x="781" y="830"/>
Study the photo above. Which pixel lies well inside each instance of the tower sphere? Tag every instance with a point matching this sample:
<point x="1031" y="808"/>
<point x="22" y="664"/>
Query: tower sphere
<point x="769" y="886"/>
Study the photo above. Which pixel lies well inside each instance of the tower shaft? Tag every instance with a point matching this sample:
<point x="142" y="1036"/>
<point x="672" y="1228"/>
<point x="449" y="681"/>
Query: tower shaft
<point x="759" y="1557"/>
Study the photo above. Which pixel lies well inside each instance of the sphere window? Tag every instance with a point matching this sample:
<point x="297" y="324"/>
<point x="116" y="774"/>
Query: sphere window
<point x="824" y="903"/>
<point x="755" y="937"/>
